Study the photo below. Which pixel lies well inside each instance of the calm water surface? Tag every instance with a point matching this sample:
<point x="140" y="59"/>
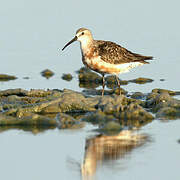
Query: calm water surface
<point x="31" y="36"/>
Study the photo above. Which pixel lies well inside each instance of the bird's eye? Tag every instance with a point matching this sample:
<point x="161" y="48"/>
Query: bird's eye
<point x="82" y="33"/>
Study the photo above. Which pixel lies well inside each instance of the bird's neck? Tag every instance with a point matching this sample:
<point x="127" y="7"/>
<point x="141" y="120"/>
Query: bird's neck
<point x="86" y="47"/>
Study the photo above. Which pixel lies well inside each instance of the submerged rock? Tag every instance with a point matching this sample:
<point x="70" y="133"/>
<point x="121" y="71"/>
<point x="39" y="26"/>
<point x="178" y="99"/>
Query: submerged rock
<point x="30" y="120"/>
<point x="90" y="77"/>
<point x="170" y="92"/>
<point x="5" y="77"/>
<point x="138" y="95"/>
<point x="89" y="85"/>
<point x="66" y="121"/>
<point x="141" y="80"/>
<point x="98" y="117"/>
<point x="26" y="77"/>
<point x="111" y="126"/>
<point x="47" y="73"/>
<point x="111" y="82"/>
<point x="67" y="77"/>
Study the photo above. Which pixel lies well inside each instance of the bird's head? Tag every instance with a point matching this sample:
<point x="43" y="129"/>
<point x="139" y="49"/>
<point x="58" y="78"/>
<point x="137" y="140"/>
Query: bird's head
<point x="83" y="35"/>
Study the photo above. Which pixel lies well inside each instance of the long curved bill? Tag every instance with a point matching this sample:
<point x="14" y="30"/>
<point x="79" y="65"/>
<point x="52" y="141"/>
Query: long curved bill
<point x="74" y="39"/>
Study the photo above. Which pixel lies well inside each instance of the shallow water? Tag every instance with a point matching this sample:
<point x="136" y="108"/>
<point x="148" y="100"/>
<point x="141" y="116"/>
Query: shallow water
<point x="59" y="154"/>
<point x="32" y="34"/>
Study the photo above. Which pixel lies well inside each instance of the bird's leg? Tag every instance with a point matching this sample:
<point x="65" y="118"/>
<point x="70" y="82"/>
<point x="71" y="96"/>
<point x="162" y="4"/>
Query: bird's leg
<point x="103" y="84"/>
<point x="118" y="81"/>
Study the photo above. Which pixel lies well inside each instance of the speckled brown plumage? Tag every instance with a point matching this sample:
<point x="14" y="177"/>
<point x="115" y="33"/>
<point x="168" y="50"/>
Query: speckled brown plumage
<point x="106" y="57"/>
<point x="115" y="54"/>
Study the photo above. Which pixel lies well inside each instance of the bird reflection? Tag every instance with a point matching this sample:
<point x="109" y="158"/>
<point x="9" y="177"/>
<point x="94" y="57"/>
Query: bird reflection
<point x="101" y="148"/>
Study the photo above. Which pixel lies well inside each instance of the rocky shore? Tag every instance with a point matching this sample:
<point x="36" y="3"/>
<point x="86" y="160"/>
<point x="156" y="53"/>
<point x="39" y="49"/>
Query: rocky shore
<point x="44" y="109"/>
<point x="70" y="109"/>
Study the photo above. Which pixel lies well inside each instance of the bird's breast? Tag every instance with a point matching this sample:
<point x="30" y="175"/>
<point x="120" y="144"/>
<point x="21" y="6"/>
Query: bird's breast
<point x="95" y="63"/>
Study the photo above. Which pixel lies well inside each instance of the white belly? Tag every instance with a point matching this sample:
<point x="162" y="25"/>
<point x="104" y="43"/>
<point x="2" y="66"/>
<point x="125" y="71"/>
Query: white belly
<point x="98" y="65"/>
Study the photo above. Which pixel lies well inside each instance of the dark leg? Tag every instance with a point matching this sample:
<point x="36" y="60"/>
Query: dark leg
<point x="103" y="84"/>
<point x="117" y="79"/>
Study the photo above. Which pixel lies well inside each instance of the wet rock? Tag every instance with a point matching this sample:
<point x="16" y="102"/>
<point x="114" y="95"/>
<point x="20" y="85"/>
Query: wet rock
<point x="31" y="120"/>
<point x="122" y="91"/>
<point x="66" y="101"/>
<point x="1" y="108"/>
<point x="102" y="119"/>
<point x="158" y="101"/>
<point x="25" y="100"/>
<point x="168" y="113"/>
<point x="135" y="122"/>
<point x="83" y="70"/>
<point x="116" y="103"/>
<point x="32" y="93"/>
<point x="5" y="120"/>
<point x="111" y="126"/>
<point x="66" y="121"/>
<point x="13" y="98"/>
<point x="152" y="96"/>
<point x="172" y="93"/>
<point x="136" y="112"/>
<point x="88" y="85"/>
<point x="95" y="92"/>
<point x="40" y="93"/>
<point x="138" y="95"/>
<point x="98" y="117"/>
<point x="38" y="120"/>
<point x="67" y="77"/>
<point x="111" y="82"/>
<point x="164" y="105"/>
<point x="89" y="77"/>
<point x="18" y="92"/>
<point x="162" y="98"/>
<point x="123" y="108"/>
<point x="5" y="77"/>
<point x="141" y="80"/>
<point x="47" y="73"/>
<point x="24" y="105"/>
<point x="106" y="92"/>
<point x="70" y="101"/>
<point x="168" y="109"/>
<point x="150" y="100"/>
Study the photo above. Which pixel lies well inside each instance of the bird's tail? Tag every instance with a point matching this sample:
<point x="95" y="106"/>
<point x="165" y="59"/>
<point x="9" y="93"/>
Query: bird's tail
<point x="143" y="59"/>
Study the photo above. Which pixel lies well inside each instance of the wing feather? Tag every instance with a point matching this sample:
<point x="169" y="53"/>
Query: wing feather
<point x="115" y="54"/>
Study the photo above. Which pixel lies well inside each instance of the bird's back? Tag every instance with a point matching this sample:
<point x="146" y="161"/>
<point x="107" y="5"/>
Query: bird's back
<point x="115" y="54"/>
